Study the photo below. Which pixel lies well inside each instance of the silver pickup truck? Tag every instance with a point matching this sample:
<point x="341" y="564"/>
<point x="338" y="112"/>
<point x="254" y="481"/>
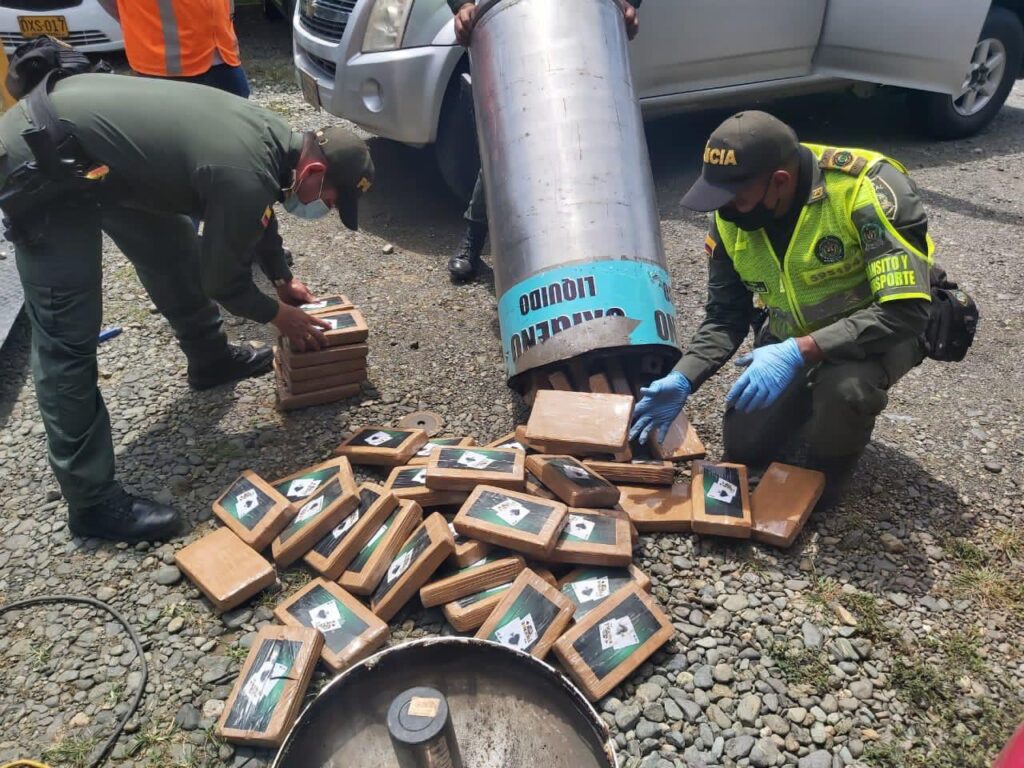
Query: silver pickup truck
<point x="392" y="66"/>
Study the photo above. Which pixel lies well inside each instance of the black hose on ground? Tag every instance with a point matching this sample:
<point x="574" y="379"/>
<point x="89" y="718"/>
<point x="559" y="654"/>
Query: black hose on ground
<point x="109" y="744"/>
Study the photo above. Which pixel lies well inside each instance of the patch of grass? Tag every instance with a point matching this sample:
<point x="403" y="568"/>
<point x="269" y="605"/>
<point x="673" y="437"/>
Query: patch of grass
<point x="71" y="751"/>
<point x="801" y="667"/>
<point x="825" y="590"/>
<point x="152" y="742"/>
<point x="991" y="587"/>
<point x="1009" y="542"/>
<point x="968" y="553"/>
<point x="885" y="755"/>
<point x="41" y="655"/>
<point x="919" y="683"/>
<point x="961" y="651"/>
<point x="868" y="613"/>
<point x="236" y="653"/>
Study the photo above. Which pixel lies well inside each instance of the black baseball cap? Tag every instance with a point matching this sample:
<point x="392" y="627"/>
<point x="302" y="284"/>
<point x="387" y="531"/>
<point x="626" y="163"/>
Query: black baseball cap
<point x="349" y="170"/>
<point x="747" y="146"/>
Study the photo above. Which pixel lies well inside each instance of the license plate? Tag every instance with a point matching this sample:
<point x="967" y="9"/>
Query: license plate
<point x="35" y="26"/>
<point x="310" y="91"/>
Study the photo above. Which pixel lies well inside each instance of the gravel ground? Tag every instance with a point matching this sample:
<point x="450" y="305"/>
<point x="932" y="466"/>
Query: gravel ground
<point x="888" y="636"/>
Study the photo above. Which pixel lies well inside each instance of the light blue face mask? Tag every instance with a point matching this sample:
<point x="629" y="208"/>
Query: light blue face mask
<point x="316" y="209"/>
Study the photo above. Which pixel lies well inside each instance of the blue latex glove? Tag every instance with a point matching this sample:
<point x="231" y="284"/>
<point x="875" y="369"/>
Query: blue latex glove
<point x="659" y="406"/>
<point x="770" y="370"/>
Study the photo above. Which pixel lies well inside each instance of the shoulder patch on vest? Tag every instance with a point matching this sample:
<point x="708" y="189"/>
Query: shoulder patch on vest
<point x="886" y="198"/>
<point x="833" y="159"/>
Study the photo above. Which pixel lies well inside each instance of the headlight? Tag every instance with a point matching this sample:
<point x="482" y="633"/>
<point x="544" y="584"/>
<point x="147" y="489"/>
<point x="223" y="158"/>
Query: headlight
<point x="386" y="27"/>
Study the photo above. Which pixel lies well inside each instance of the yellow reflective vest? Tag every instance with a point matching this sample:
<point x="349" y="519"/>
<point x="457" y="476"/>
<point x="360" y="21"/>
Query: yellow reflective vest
<point x="844" y="253"/>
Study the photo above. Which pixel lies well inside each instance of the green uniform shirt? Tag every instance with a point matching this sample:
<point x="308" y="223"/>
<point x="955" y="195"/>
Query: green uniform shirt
<point x="189" y="149"/>
<point x="864" y="333"/>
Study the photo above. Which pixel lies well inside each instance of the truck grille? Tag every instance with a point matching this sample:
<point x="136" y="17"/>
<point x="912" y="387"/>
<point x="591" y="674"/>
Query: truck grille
<point x="84" y="37"/>
<point x="39" y="5"/>
<point x="326" y="18"/>
<point x="328" y="67"/>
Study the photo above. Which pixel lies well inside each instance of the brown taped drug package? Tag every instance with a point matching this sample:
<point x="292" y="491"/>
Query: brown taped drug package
<point x="367" y="568"/>
<point x="783" y="501"/>
<point x="721" y="500"/>
<point x="511" y="519"/>
<point x="572" y="482"/>
<point x="254" y="510"/>
<point x="226" y="569"/>
<point x="529" y="617"/>
<point x="412" y="567"/>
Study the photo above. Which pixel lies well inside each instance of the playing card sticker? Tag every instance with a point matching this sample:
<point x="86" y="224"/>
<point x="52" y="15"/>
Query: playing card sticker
<point x="618" y="635"/>
<point x="474" y="460"/>
<point x="325" y="617"/>
<point x="520" y="633"/>
<point x="590" y="587"/>
<point x="246" y="503"/>
<point x="301" y="488"/>
<point x="321" y="610"/>
<point x="338" y="322"/>
<point x="578" y="474"/>
<point x="580" y="527"/>
<point x="346" y="525"/>
<point x="436" y="443"/>
<point x="588" y="529"/>
<point x="722" y="492"/>
<point x="502" y="510"/>
<point x="511" y="511"/>
<point x="477" y="459"/>
<point x="410" y="478"/>
<point x="525" y="621"/>
<point x="264" y="684"/>
<point x="589" y="590"/>
<point x="403" y="561"/>
<point x="379" y="438"/>
<point x="399" y="566"/>
<point x="312" y="508"/>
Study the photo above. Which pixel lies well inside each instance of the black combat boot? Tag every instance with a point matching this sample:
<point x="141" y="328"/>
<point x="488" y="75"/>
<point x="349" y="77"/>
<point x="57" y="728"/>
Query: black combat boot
<point x="125" y="518"/>
<point x="242" y="362"/>
<point x="466" y="261"/>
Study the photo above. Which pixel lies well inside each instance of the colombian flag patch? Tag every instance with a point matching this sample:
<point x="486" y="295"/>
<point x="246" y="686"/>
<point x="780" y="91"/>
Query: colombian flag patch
<point x="709" y="245"/>
<point x="268" y="214"/>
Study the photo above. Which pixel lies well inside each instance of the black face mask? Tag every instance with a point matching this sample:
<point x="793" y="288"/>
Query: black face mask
<point x="756" y="218"/>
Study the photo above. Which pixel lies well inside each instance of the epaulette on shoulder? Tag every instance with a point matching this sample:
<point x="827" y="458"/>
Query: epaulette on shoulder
<point x="833" y="159"/>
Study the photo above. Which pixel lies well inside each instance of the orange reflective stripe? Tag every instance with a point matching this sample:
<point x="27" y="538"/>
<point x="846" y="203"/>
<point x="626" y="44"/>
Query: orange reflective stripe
<point x="177" y="38"/>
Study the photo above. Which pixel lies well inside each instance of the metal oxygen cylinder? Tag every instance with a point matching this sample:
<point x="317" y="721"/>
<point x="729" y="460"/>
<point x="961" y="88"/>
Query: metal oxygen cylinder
<point x="575" y="234"/>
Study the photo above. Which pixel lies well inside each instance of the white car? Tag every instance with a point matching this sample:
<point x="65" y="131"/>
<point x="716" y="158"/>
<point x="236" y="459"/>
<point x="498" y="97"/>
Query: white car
<point x="81" y="23"/>
<point x="392" y="66"/>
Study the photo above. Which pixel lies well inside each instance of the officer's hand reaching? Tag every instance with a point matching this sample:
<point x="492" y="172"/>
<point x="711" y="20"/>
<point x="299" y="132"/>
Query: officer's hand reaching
<point x="632" y="20"/>
<point x="295" y="292"/>
<point x="303" y="331"/>
<point x="464" y="21"/>
<point x="659" y="406"/>
<point x="770" y="369"/>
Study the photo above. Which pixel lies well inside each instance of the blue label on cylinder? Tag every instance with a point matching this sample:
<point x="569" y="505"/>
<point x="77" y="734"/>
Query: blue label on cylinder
<point x="551" y="302"/>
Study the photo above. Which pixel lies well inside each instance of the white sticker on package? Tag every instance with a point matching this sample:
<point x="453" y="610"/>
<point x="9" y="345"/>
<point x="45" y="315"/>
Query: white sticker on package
<point x="723" y="491"/>
<point x="475" y="460"/>
<point x="325" y="617"/>
<point x="520" y="633"/>
<point x="575" y="473"/>
<point x="346" y="525"/>
<point x="310" y="509"/>
<point x="589" y="590"/>
<point x="420" y="478"/>
<point x="511" y="511"/>
<point x="377" y="438"/>
<point x="302" y="487"/>
<point x="246" y="502"/>
<point x="427" y="449"/>
<point x="580" y="527"/>
<point x="263" y="682"/>
<point x="399" y="566"/>
<point x="617" y="634"/>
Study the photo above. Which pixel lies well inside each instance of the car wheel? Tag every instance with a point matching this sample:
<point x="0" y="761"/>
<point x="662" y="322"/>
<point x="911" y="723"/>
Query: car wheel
<point x="994" y="67"/>
<point x="458" y="157"/>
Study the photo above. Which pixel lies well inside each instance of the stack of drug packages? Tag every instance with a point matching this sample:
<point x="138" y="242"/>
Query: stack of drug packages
<point x="329" y="374"/>
<point x="526" y="541"/>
